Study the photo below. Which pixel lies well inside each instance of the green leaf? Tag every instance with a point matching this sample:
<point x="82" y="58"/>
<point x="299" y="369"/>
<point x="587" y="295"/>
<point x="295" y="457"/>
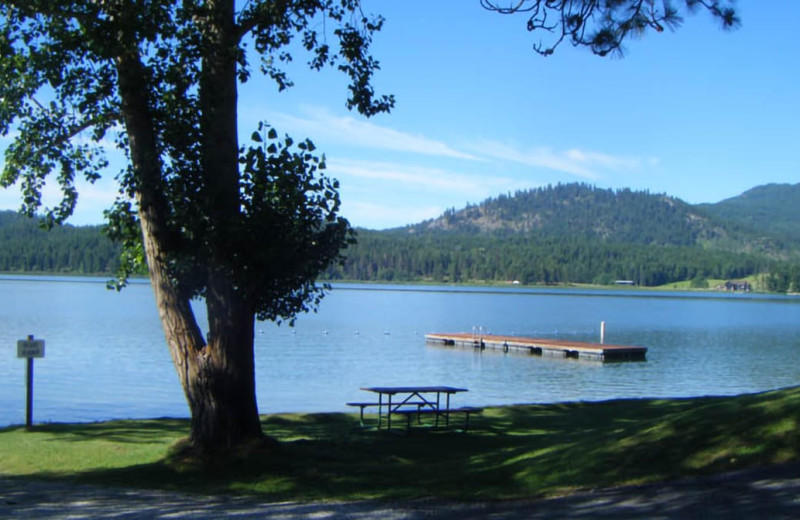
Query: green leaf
<point x="256" y="137"/>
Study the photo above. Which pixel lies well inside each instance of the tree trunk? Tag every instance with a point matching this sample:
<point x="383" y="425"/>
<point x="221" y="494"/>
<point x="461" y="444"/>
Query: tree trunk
<point x="218" y="375"/>
<point x="222" y="391"/>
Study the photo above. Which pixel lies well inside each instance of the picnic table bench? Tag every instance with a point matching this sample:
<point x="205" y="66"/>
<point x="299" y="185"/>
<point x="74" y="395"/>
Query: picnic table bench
<point x="412" y="401"/>
<point x="363" y="405"/>
<point x="465" y="410"/>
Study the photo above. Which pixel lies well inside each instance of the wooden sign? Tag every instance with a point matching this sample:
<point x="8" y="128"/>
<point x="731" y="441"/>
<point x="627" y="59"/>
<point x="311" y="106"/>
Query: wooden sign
<point x="30" y="348"/>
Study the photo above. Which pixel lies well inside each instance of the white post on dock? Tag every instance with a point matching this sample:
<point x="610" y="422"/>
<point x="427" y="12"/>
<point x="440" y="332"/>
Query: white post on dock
<point x="602" y="332"/>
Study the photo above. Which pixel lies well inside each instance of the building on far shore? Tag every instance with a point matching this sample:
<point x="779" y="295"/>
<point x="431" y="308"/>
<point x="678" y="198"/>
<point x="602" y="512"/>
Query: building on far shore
<point x="735" y="286"/>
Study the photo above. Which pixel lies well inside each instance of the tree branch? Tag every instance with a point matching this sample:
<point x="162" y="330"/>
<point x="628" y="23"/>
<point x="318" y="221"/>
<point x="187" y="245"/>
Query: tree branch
<point x="603" y="26"/>
<point x="264" y="14"/>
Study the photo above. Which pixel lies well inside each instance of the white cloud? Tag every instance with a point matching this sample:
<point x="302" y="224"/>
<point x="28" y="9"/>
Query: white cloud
<point x="393" y="189"/>
<point x="540" y="157"/>
<point x="379" y="195"/>
<point x="605" y="161"/>
<point x="417" y="177"/>
<point x="350" y="131"/>
<point x="321" y="124"/>
<point x="576" y="162"/>
<point x="377" y="215"/>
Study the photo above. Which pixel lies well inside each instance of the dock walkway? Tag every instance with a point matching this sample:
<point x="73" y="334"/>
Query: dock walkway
<point x="542" y="347"/>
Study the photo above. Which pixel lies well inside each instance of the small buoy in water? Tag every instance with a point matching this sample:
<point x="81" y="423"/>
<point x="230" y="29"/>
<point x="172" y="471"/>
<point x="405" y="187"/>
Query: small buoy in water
<point x="356" y="333"/>
<point x="325" y="331"/>
<point x="385" y="332"/>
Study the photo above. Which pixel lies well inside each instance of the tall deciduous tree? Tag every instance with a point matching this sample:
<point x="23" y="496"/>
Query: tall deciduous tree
<point x="248" y="230"/>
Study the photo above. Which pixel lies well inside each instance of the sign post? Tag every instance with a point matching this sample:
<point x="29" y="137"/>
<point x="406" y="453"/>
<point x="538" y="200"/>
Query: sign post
<point x="30" y="348"/>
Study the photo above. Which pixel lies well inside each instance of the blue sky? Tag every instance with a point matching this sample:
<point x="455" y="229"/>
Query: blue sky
<point x="700" y="113"/>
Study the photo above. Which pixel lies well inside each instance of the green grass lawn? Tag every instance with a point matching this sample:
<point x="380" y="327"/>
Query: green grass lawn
<point x="514" y="451"/>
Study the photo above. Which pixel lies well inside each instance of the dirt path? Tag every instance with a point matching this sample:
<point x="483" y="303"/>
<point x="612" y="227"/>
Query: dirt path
<point x="772" y="492"/>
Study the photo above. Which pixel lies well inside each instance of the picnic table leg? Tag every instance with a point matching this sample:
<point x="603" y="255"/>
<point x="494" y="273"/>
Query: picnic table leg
<point x="389" y="414"/>
<point x="447" y="413"/>
<point x="380" y="409"/>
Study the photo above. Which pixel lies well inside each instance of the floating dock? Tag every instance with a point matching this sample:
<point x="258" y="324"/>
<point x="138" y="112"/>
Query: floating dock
<point x="542" y="347"/>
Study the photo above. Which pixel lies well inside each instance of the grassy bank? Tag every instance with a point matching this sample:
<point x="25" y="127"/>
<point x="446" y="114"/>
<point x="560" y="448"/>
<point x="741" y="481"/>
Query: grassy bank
<point x="515" y="451"/>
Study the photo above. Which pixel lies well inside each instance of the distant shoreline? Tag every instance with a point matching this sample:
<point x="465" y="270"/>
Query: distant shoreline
<point x="676" y="287"/>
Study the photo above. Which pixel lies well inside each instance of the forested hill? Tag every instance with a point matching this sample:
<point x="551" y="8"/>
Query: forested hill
<point x="574" y="233"/>
<point x="772" y="209"/>
<point x="582" y="212"/>
<point x="26" y="247"/>
<point x="570" y="233"/>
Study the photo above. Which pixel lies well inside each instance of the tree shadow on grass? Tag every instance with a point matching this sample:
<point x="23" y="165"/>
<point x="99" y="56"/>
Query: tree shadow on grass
<point x="517" y="451"/>
<point x="119" y="431"/>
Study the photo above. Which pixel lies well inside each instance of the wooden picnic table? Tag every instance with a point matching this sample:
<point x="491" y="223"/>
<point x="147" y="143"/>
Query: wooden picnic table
<point x="427" y="399"/>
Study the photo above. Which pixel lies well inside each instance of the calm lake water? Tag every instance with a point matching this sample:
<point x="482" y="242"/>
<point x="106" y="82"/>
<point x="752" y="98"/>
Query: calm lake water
<point x="106" y="356"/>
